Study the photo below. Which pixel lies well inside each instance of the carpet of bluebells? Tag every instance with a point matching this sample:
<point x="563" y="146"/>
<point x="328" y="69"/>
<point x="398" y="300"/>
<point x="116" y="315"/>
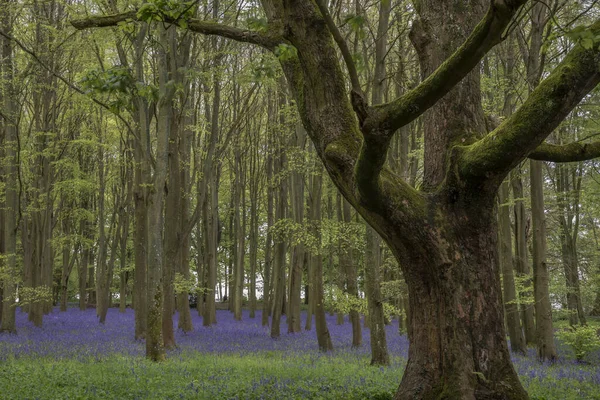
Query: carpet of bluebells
<point x="74" y="357"/>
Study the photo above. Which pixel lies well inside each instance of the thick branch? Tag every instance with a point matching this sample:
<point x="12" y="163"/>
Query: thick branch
<point x="566" y="153"/>
<point x="387" y="118"/>
<point x="268" y="40"/>
<point x="522" y="133"/>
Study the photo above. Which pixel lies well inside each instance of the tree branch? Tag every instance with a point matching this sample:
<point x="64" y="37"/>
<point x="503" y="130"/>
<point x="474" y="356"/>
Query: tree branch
<point x="387" y="118"/>
<point x="269" y="39"/>
<point x="522" y="133"/>
<point x="566" y="153"/>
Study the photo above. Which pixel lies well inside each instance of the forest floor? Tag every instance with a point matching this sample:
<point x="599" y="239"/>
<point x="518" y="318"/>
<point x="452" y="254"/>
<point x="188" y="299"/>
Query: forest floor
<point x="74" y="357"/>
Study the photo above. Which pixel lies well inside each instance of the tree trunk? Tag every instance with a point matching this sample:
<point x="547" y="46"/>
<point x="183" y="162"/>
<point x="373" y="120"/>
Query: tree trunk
<point x="155" y="350"/>
<point x="102" y="288"/>
<point x="238" y="235"/>
<point x="439" y="340"/>
<point x="141" y="176"/>
<point x="10" y="171"/>
<point x="347" y="262"/>
<point x="183" y="305"/>
<point x="297" y="263"/>
<point x="323" y="337"/>
<point x="173" y="235"/>
<point x="267" y="281"/>
<point x="280" y="250"/>
<point x="255" y="192"/>
<point x="568" y="185"/>
<point x="522" y="258"/>
<point x="541" y="278"/>
<point x="379" y="353"/>
<point x="517" y="340"/>
<point x="210" y="216"/>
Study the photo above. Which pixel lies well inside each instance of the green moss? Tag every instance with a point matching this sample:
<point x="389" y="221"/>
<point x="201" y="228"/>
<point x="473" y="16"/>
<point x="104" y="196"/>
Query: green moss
<point x="546" y="107"/>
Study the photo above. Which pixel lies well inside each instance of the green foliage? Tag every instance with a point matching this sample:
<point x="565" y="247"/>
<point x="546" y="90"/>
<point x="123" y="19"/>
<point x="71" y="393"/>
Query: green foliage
<point x="289" y="230"/>
<point x="219" y="377"/>
<point x="202" y="376"/>
<point x="350" y="235"/>
<point x="28" y="295"/>
<point x="584" y="36"/>
<point x="582" y="339"/>
<point x="285" y="52"/>
<point x="524" y="288"/>
<point x="342" y="302"/>
<point x="257" y="24"/>
<point x="116" y="82"/>
<point x="117" y="79"/>
<point x="393" y="289"/>
<point x="357" y="24"/>
<point x="183" y="285"/>
<point x="161" y="10"/>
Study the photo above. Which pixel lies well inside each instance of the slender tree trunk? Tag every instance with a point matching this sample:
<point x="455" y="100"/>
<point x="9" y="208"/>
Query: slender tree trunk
<point x="173" y="203"/>
<point x="155" y="350"/>
<point x="255" y="192"/>
<point x="211" y="207"/>
<point x="517" y="340"/>
<point x="238" y="236"/>
<point x="347" y="262"/>
<point x="568" y="188"/>
<point x="280" y="250"/>
<point x="83" y="269"/>
<point x="101" y="273"/>
<point x="268" y="266"/>
<point x="522" y="258"/>
<point x="297" y="262"/>
<point x="140" y="195"/>
<point x="124" y="216"/>
<point x="541" y="278"/>
<point x="183" y="305"/>
<point x="316" y="259"/>
<point x="10" y="171"/>
<point x="379" y="353"/>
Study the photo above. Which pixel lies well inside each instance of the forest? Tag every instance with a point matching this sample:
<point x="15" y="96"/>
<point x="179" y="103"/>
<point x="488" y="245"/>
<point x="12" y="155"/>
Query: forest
<point x="300" y="199"/>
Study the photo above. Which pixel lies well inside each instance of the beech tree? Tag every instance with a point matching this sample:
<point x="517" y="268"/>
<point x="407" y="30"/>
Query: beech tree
<point x="444" y="235"/>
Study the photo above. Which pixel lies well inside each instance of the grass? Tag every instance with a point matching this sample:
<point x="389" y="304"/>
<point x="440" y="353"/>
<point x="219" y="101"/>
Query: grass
<point x="73" y="357"/>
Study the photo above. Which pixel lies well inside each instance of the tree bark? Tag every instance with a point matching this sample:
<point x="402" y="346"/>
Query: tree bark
<point x="141" y="176"/>
<point x="517" y="340"/>
<point x="267" y="281"/>
<point x="10" y="171"/>
<point x="280" y="248"/>
<point x="522" y="258"/>
<point x="347" y="261"/>
<point x="323" y="336"/>
<point x="541" y="278"/>
<point x="298" y="251"/>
